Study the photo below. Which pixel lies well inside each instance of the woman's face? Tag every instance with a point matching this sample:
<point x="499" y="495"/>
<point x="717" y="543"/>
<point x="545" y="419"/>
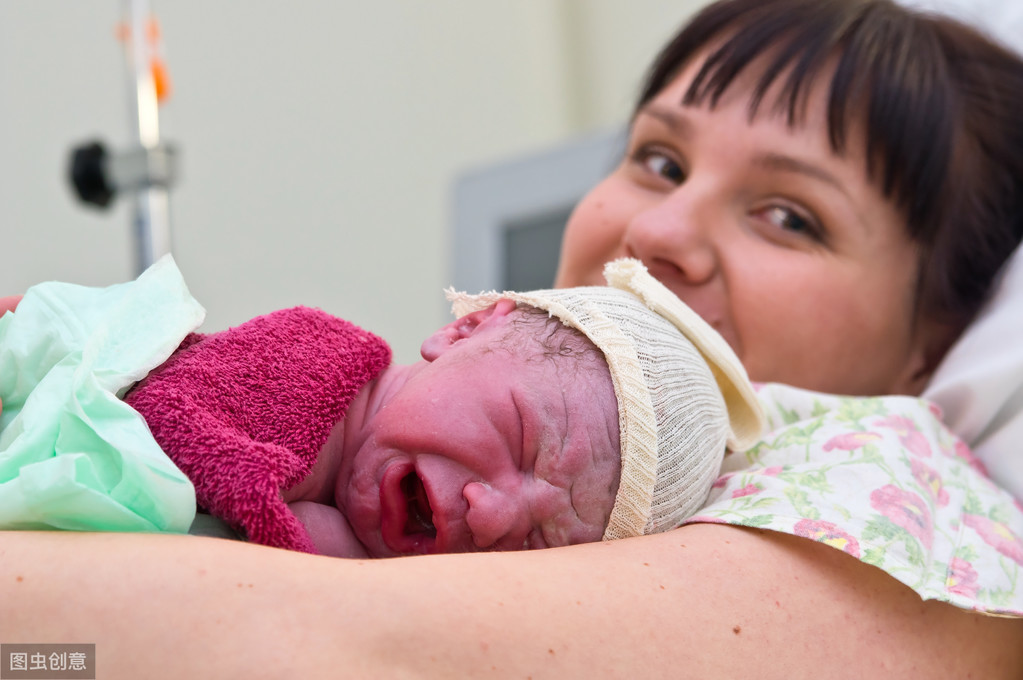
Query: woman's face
<point x="784" y="247"/>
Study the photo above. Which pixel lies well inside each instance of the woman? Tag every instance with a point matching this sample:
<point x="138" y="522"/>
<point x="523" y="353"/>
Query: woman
<point x="816" y="223"/>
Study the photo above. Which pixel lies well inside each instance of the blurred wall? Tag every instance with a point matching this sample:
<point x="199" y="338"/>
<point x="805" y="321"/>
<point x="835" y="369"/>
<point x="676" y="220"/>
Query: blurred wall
<point x="319" y="138"/>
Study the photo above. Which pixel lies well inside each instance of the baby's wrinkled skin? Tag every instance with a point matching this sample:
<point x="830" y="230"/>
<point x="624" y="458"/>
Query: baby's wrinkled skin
<point x="485" y="444"/>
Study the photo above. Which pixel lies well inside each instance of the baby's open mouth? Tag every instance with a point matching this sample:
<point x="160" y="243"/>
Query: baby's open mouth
<point x="419" y="518"/>
<point x="408" y="521"/>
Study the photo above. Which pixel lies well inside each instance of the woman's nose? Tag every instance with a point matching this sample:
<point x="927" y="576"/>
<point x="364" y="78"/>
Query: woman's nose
<point x="496" y="518"/>
<point x="676" y="234"/>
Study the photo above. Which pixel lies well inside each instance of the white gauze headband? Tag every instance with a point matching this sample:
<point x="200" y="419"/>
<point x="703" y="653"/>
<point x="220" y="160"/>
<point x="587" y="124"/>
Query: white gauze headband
<point x="683" y="396"/>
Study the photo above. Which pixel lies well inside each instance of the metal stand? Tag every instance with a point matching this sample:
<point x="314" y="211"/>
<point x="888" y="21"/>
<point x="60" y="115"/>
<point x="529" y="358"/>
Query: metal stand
<point x="152" y="207"/>
<point x="147" y="170"/>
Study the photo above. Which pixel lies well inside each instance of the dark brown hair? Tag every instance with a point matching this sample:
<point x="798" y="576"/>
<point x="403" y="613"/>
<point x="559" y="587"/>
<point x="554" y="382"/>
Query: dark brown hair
<point x="556" y="339"/>
<point x="941" y="106"/>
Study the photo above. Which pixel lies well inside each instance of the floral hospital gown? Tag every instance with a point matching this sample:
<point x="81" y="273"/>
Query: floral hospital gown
<point x="883" y="480"/>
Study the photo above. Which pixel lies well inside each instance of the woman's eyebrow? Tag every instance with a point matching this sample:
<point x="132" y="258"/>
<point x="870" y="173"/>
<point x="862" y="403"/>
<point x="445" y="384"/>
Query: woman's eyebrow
<point x="675" y="121"/>
<point x="781" y="163"/>
<point x="776" y="162"/>
<point x="680" y="125"/>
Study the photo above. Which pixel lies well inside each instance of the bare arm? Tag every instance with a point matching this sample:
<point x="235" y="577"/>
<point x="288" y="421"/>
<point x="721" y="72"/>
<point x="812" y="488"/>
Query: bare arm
<point x="704" y="601"/>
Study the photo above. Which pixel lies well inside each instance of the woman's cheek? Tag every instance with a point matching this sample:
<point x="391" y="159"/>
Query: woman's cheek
<point x="593" y="236"/>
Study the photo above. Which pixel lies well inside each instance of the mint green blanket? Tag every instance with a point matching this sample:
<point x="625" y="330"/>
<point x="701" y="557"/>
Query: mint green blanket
<point x="72" y="454"/>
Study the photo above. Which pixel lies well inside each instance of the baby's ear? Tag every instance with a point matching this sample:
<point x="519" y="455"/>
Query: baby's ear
<point x="464" y="327"/>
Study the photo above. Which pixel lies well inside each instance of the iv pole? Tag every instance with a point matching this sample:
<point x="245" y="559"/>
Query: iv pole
<point x="151" y="200"/>
<point x="147" y="170"/>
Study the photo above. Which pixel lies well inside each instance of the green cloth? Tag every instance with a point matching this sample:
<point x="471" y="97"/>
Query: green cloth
<point x="72" y="454"/>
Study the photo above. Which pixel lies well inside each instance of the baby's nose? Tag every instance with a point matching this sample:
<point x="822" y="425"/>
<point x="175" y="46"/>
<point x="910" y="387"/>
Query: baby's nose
<point x="496" y="518"/>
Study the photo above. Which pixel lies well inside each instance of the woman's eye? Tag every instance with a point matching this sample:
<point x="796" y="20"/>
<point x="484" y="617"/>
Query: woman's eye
<point x="791" y="221"/>
<point x="660" y="164"/>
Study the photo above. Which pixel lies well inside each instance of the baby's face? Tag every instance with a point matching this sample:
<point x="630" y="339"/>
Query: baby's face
<point x="489" y="446"/>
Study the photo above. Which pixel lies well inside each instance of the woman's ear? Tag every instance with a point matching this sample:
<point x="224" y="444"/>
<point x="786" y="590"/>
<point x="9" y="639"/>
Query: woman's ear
<point x="464" y="327"/>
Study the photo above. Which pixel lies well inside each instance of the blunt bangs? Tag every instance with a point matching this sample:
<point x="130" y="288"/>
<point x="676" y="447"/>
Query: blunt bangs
<point x="888" y="73"/>
<point x="938" y="102"/>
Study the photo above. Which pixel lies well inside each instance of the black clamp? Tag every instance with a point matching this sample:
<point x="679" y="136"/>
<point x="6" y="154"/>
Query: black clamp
<point x="99" y="176"/>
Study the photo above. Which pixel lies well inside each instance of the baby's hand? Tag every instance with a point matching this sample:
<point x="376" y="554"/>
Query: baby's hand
<point x="8" y="304"/>
<point x="328" y="528"/>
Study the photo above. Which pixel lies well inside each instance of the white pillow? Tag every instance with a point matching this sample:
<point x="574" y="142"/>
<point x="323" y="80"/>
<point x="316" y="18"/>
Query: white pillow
<point x="979" y="385"/>
<point x="1002" y="19"/>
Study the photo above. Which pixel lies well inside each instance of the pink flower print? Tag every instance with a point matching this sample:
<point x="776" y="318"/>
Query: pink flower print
<point x="747" y="490"/>
<point x="997" y="535"/>
<point x="936" y="411"/>
<point x="722" y="480"/>
<point x="901" y="424"/>
<point x="963" y="451"/>
<point x="826" y="532"/>
<point x="850" y="441"/>
<point x="906" y="509"/>
<point x="909" y="436"/>
<point x="962" y="578"/>
<point x="773" y="471"/>
<point x="930" y="480"/>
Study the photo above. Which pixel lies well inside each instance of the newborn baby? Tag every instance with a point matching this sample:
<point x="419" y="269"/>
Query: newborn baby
<point x="534" y="420"/>
<point x="504" y="437"/>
